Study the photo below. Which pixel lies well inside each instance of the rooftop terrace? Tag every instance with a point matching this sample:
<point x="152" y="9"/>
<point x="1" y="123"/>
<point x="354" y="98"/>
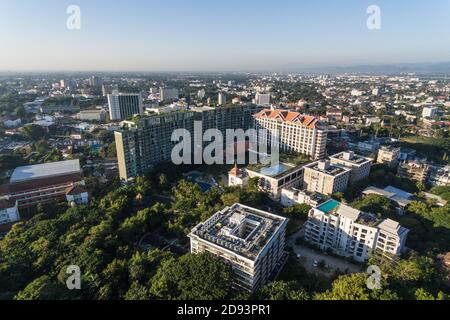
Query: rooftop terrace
<point x="240" y="229"/>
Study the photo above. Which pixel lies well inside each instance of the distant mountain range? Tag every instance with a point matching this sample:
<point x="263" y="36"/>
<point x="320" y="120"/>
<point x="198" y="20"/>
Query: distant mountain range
<point x="442" y="68"/>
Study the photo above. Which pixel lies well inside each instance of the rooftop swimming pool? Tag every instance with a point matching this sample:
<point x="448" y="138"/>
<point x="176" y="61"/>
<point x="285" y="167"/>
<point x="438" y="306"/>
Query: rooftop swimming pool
<point x="328" y="206"/>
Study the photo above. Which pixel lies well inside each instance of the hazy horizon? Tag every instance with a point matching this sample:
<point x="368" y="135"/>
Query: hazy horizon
<point x="219" y="36"/>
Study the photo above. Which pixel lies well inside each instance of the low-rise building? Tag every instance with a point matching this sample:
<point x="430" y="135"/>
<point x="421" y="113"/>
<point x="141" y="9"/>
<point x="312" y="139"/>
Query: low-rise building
<point x="292" y="196"/>
<point x="388" y="156"/>
<point x="325" y="178"/>
<point x="250" y="240"/>
<point x="77" y="195"/>
<point x="41" y="183"/>
<point x="334" y="115"/>
<point x="238" y="177"/>
<point x="352" y="233"/>
<point x="414" y="170"/>
<point x="359" y="165"/>
<point x="272" y="179"/>
<point x="98" y="115"/>
<point x="8" y="211"/>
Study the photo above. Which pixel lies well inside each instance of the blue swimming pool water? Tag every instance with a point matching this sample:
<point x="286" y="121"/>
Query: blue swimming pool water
<point x="328" y="206"/>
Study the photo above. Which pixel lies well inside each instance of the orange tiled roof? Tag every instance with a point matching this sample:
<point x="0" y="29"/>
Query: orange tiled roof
<point x="288" y="116"/>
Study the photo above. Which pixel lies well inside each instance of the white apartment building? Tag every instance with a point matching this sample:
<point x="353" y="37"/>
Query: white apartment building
<point x="250" y="240"/>
<point x="262" y="99"/>
<point x="351" y="233"/>
<point x="388" y="156"/>
<point x="326" y="178"/>
<point x="292" y="196"/>
<point x="272" y="179"/>
<point x="360" y="166"/>
<point x="124" y="105"/>
<point x="296" y="132"/>
<point x="222" y="99"/>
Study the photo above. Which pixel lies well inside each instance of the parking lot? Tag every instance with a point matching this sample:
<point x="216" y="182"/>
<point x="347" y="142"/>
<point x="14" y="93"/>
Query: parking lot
<point x="311" y="259"/>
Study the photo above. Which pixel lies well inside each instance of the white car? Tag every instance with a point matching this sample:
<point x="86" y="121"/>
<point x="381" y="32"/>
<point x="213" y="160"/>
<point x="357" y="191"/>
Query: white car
<point x="299" y="256"/>
<point x="315" y="264"/>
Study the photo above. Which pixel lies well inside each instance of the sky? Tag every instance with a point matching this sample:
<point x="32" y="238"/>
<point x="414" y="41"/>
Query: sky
<point x="219" y="35"/>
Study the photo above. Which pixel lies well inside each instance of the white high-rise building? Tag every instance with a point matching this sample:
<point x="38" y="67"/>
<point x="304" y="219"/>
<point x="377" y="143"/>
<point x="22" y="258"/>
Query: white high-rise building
<point x="262" y="99"/>
<point x="222" y="99"/>
<point x="124" y="105"/>
<point x="352" y="233"/>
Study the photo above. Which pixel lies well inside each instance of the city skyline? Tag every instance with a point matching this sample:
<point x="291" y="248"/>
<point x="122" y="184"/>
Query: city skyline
<point x="219" y="36"/>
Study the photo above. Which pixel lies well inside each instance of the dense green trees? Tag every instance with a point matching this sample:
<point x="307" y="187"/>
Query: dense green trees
<point x="103" y="239"/>
<point x="9" y="162"/>
<point x="282" y="290"/>
<point x="299" y="211"/>
<point x="443" y="191"/>
<point x="354" y="287"/>
<point x="377" y="204"/>
<point x="33" y="132"/>
<point x="192" y="277"/>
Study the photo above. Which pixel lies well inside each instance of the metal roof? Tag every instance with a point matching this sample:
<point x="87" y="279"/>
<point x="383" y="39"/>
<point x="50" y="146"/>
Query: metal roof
<point x="45" y="170"/>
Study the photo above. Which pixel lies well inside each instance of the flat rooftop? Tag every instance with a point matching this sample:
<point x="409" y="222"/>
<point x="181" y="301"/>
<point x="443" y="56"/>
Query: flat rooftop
<point x="276" y="170"/>
<point x="240" y="229"/>
<point x="337" y="208"/>
<point x="354" y="158"/>
<point x="45" y="170"/>
<point x="330" y="169"/>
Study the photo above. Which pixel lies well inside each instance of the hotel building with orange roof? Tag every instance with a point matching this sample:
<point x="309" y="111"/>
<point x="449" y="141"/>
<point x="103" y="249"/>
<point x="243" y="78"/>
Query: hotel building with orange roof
<point x="297" y="133"/>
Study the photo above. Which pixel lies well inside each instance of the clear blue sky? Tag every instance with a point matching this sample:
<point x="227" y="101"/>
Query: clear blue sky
<point x="216" y="35"/>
